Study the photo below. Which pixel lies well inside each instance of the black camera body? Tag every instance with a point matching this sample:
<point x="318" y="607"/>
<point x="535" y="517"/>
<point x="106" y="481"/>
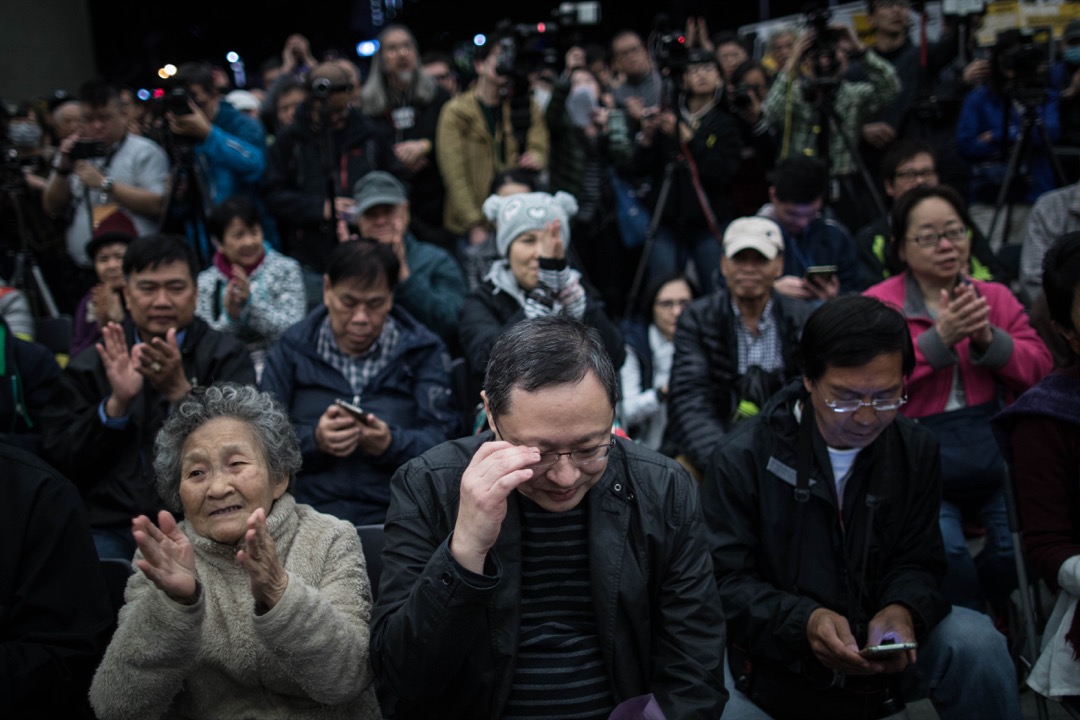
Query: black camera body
<point x="1025" y="54"/>
<point x="822" y="53"/>
<point x="740" y="97"/>
<point x="85" y="149"/>
<point x="176" y="102"/>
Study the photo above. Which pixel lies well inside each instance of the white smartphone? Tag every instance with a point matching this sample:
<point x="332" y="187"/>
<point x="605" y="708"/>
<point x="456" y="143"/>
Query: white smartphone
<point x="887" y="649"/>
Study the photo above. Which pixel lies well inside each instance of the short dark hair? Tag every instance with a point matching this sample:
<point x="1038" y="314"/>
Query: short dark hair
<point x="903" y="151"/>
<point x="98" y="93"/>
<point x="197" y="73"/>
<point x="1061" y="279"/>
<point x="850" y="331"/>
<point x="543" y="352"/>
<point x="235" y="207"/>
<point x="151" y="251"/>
<point x="746" y="67"/>
<point x="800" y="179"/>
<point x="363" y="260"/>
<point x="726" y="37"/>
<point x="907" y="202"/>
<point x="435" y="56"/>
<point x="517" y="176"/>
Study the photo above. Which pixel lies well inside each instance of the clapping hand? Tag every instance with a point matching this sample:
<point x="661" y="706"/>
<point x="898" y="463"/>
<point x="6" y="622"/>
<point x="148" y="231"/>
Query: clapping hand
<point x="160" y="362"/>
<point x="964" y="313"/>
<point x="168" y="559"/>
<point x="260" y="561"/>
<point x="237" y="293"/>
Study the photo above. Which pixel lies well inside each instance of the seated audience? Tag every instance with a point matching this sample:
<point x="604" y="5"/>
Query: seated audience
<point x="1040" y="435"/>
<point x="650" y="349"/>
<point x="532" y="277"/>
<point x="56" y="614"/>
<point x="905" y="165"/>
<point x="391" y="371"/>
<point x="1054" y="214"/>
<point x="735" y="347"/>
<point x="974" y="348"/>
<point x="102" y="416"/>
<point x="430" y="283"/>
<point x="103" y="303"/>
<point x="250" y="290"/>
<point x="546" y="568"/>
<point x="254" y="605"/>
<point x="822" y="514"/>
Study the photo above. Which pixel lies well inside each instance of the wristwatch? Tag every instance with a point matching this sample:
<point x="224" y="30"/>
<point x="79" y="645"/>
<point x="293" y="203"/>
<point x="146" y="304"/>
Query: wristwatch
<point x="106" y="185"/>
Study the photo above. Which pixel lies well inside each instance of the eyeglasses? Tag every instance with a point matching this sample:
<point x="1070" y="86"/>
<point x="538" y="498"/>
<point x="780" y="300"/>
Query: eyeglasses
<point x="931" y="238"/>
<point x="583" y="459"/>
<point x="879" y="405"/>
<point x="916" y="174"/>
<point x="672" y="304"/>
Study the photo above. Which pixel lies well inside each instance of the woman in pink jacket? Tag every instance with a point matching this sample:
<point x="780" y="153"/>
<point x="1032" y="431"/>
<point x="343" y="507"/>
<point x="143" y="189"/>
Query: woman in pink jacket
<point x="975" y="349"/>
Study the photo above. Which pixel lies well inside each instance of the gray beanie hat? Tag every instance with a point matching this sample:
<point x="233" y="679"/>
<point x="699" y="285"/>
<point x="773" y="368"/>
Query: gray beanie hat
<point x="513" y="215"/>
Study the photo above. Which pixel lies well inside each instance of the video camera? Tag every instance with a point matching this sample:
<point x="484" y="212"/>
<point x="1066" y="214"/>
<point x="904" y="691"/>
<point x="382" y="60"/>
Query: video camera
<point x="1024" y="53"/>
<point x="667" y="46"/>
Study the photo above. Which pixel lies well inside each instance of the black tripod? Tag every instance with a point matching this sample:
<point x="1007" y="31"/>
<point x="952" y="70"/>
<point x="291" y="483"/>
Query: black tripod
<point x="1021" y="150"/>
<point x="828" y="121"/>
<point x="26" y="273"/>
<point x="187" y="205"/>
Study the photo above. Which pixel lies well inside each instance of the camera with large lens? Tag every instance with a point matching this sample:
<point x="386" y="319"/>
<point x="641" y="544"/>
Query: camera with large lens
<point x="84" y="149"/>
<point x="824" y="62"/>
<point x="740" y="97"/>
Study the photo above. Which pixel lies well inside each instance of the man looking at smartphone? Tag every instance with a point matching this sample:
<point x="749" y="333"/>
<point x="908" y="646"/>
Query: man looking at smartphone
<point x="359" y="347"/>
<point x="823" y="522"/>
<point x="811" y="239"/>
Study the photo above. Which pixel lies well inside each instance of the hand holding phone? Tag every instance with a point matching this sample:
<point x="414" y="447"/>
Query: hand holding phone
<point x="354" y="410"/>
<point x="887" y="648"/>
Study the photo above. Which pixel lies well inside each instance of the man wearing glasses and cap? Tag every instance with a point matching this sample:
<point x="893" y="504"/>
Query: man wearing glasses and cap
<point x="823" y="523"/>
<point x="545" y="568"/>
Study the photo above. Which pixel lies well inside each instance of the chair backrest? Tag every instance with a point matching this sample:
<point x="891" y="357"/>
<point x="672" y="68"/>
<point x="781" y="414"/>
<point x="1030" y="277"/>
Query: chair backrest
<point x="55" y="333"/>
<point x="116" y="572"/>
<point x="372" y="541"/>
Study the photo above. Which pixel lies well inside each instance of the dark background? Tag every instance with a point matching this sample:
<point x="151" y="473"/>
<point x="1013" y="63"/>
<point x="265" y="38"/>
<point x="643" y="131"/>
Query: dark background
<point x="133" y="38"/>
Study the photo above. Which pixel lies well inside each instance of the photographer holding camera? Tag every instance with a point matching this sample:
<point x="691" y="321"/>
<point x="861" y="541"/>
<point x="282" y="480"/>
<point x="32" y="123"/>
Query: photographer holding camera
<point x="100" y="169"/>
<point x="812" y="86"/>
<point x="228" y="147"/>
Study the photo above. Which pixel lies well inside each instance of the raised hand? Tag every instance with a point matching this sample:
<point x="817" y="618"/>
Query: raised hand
<point x="237" y="293"/>
<point x="551" y="242"/>
<point x="494" y="472"/>
<point x="168" y="559"/>
<point x="260" y="561"/>
<point x="124" y="378"/>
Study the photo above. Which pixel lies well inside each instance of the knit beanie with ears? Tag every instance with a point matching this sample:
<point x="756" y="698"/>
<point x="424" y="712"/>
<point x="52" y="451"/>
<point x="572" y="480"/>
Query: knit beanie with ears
<point x="513" y="215"/>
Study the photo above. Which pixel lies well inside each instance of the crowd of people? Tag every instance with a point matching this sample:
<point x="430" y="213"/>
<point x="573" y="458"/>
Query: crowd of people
<point x="676" y="387"/>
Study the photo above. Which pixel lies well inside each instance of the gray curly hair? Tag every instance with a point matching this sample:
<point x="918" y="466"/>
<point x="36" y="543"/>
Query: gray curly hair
<point x="267" y="418"/>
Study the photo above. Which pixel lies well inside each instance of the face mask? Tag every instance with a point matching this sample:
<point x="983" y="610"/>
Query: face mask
<point x="580" y="104"/>
<point x="541" y="96"/>
<point x="24" y="135"/>
<point x="1072" y="55"/>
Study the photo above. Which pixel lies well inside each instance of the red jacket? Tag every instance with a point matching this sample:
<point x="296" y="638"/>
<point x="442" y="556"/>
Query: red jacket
<point x="1017" y="368"/>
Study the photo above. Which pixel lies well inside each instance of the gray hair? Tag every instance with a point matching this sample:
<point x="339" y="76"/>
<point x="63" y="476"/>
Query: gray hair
<point x="267" y="418"/>
<point x="542" y="352"/>
<point x="375" y="96"/>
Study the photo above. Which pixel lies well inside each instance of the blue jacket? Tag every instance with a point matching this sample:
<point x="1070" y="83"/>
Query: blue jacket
<point x="411" y="395"/>
<point x="823" y="242"/>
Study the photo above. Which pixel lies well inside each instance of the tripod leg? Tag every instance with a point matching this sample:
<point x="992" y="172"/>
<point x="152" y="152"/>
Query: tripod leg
<point x="1019" y="150"/>
<point x="863" y="172"/>
<point x="646" y="250"/>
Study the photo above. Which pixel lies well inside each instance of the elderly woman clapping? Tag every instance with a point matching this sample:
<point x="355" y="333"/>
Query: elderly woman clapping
<point x="254" y="605"/>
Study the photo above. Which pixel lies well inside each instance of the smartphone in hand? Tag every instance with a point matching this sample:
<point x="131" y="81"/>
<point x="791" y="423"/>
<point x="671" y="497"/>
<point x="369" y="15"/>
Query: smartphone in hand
<point x="887" y="649"/>
<point x="355" y="410"/>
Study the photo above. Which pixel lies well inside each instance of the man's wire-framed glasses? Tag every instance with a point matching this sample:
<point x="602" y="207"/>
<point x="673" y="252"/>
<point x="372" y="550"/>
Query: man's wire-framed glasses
<point x="583" y="459"/>
<point x="878" y="404"/>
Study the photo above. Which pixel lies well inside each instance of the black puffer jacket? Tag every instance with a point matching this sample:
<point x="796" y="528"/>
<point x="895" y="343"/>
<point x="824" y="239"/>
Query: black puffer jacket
<point x="771" y="577"/>
<point x="445" y="647"/>
<point x="706" y="368"/>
